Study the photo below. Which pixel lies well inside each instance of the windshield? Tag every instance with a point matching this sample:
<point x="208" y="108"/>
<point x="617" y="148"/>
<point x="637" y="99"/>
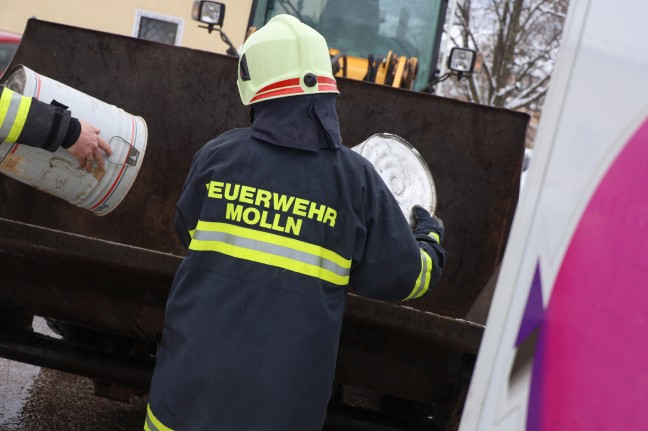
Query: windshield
<point x="369" y="27"/>
<point x="7" y="51"/>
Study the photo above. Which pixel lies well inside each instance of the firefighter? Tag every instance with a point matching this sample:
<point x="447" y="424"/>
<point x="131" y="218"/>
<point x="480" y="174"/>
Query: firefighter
<point x="279" y="219"/>
<point x="49" y="126"/>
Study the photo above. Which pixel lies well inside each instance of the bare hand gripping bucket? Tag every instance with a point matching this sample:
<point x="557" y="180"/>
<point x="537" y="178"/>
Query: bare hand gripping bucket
<point x="58" y="173"/>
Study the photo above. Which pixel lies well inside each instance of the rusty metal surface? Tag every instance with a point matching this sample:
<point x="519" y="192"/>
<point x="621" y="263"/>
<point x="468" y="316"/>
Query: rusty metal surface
<point x="474" y="153"/>
<point x="44" y="351"/>
<point x="90" y="282"/>
<point x="189" y="96"/>
<point x="122" y="289"/>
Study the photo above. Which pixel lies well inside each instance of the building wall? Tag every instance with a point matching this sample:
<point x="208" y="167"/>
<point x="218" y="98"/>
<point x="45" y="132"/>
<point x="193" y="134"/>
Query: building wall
<point x="121" y="17"/>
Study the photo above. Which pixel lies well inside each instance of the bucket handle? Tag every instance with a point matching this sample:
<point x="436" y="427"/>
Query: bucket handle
<point x="133" y="153"/>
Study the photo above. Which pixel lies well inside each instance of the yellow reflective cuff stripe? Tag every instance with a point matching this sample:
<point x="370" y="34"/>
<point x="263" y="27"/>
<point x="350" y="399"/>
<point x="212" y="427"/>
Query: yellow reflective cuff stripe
<point x="270" y="249"/>
<point x="435" y="236"/>
<point x="5" y="98"/>
<point x="5" y="101"/>
<point x="191" y="232"/>
<point x="423" y="281"/>
<point x="21" y="118"/>
<point x="153" y="423"/>
<point x="13" y="114"/>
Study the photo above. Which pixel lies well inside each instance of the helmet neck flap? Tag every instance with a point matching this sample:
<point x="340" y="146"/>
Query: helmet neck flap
<point x="306" y="123"/>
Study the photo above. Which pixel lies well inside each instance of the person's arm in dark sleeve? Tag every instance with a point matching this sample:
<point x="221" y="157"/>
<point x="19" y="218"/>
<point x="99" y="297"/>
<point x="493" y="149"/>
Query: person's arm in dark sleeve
<point x="182" y="230"/>
<point x="188" y="207"/>
<point x="31" y="122"/>
<point x="392" y="265"/>
<point x="187" y="211"/>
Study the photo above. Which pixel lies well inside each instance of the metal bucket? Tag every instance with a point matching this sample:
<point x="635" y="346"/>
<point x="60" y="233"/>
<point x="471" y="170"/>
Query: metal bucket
<point x="58" y="173"/>
<point x="403" y="170"/>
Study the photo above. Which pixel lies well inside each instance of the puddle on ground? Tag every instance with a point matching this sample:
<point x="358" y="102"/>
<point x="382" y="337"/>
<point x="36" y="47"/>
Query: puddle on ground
<point x="39" y="399"/>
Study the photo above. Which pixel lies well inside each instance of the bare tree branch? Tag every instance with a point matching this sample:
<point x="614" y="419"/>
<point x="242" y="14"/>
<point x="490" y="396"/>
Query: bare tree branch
<point x="518" y="43"/>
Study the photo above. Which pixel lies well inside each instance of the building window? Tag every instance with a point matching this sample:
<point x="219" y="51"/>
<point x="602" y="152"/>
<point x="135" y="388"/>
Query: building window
<point x="158" y="27"/>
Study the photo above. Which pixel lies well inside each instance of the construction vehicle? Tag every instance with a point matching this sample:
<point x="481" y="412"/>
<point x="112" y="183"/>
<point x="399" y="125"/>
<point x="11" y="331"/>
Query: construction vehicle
<point x="393" y="43"/>
<point x="103" y="281"/>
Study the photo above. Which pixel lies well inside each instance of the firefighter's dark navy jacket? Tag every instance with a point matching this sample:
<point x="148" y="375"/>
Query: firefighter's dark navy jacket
<point x="28" y="121"/>
<point x="279" y="219"/>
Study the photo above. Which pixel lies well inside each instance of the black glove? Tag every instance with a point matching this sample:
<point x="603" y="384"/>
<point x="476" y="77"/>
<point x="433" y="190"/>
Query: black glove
<point x="429" y="233"/>
<point x="426" y="224"/>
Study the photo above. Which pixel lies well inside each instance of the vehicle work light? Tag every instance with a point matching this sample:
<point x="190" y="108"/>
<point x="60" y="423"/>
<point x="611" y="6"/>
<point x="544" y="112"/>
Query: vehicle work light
<point x="208" y="12"/>
<point x="462" y="60"/>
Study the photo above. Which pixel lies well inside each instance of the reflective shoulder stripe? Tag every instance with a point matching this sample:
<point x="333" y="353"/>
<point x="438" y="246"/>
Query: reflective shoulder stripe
<point x="271" y="249"/>
<point x="423" y="281"/>
<point x="152" y="423"/>
<point x="13" y="113"/>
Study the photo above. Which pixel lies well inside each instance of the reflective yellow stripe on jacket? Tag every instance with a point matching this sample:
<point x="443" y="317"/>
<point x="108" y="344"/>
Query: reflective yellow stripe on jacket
<point x="271" y="249"/>
<point x="423" y="281"/>
<point x="13" y="114"/>
<point x="152" y="423"/>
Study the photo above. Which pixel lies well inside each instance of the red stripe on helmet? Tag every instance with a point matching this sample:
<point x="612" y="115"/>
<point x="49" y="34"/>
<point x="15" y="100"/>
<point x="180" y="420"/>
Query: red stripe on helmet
<point x="324" y="87"/>
<point x="326" y="80"/>
<point x="292" y="86"/>
<point x="275" y="93"/>
<point x="281" y="84"/>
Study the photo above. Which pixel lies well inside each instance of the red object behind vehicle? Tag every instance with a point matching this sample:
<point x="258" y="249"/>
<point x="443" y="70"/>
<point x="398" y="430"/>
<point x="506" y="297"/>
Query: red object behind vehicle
<point x="8" y="45"/>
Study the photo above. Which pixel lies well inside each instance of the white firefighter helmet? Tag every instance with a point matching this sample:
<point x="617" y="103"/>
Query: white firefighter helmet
<point x="284" y="58"/>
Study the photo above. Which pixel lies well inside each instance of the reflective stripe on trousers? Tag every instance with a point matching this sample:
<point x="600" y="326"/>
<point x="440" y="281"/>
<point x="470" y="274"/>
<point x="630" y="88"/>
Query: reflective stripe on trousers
<point x="271" y="249"/>
<point x="13" y="114"/>
<point x="152" y="423"/>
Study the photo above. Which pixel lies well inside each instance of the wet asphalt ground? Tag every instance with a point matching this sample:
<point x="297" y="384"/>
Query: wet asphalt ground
<point x="39" y="399"/>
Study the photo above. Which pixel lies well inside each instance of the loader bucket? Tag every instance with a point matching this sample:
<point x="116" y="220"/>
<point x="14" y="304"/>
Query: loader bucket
<point x="113" y="273"/>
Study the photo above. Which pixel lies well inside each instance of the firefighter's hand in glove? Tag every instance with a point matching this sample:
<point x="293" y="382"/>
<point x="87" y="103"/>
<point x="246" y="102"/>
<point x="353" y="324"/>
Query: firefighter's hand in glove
<point x="428" y="227"/>
<point x="429" y="234"/>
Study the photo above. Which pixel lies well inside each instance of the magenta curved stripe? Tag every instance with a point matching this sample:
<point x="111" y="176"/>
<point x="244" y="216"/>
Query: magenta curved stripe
<point x="591" y="367"/>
